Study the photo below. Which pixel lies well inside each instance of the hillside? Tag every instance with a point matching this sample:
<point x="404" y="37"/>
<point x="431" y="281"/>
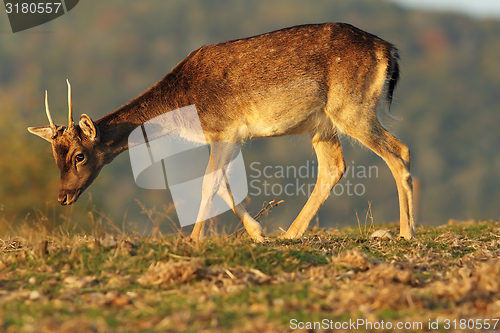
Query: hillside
<point x="448" y="99"/>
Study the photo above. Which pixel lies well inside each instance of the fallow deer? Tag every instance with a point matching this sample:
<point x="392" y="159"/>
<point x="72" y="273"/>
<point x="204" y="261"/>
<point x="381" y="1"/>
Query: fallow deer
<point x="324" y="79"/>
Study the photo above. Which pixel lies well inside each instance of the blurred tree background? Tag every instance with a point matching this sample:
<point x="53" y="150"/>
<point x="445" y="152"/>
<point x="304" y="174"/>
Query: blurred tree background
<point x="111" y="51"/>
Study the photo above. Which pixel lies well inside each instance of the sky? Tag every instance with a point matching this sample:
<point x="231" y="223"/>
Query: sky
<point x="475" y="8"/>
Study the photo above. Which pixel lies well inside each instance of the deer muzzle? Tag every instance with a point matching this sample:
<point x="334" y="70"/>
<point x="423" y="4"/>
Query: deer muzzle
<point x="67" y="198"/>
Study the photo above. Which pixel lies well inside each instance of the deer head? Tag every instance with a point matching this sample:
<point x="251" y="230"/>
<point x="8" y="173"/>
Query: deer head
<point x="77" y="150"/>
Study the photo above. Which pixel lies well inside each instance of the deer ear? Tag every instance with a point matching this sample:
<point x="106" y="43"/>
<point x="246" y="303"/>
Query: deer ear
<point x="89" y="128"/>
<point x="44" y="132"/>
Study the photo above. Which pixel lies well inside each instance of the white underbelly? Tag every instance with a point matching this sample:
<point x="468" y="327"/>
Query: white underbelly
<point x="289" y="125"/>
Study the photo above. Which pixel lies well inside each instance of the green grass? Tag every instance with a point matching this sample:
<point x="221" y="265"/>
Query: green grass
<point x="77" y="283"/>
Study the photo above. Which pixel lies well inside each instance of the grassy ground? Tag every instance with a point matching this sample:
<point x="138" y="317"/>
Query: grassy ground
<point x="59" y="282"/>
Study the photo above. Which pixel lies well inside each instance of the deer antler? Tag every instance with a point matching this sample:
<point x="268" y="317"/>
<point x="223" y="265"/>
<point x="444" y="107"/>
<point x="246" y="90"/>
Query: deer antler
<point x="54" y="129"/>
<point x="71" y="123"/>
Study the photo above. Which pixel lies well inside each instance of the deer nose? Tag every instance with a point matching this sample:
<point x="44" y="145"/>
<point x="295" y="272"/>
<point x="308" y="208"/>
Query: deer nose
<point x="62" y="199"/>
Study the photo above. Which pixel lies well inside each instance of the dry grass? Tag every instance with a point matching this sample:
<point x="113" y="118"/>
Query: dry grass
<point x="166" y="274"/>
<point x="60" y="282"/>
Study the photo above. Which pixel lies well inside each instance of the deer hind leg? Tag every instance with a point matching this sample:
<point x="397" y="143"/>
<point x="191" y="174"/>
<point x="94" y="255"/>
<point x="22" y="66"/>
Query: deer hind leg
<point x="397" y="156"/>
<point x="331" y="166"/>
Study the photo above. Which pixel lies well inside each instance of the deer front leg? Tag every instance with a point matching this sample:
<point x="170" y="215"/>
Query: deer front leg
<point x="198" y="231"/>
<point x="220" y="155"/>
<point x="216" y="182"/>
<point x="331" y="166"/>
<point x="208" y="191"/>
<point x="253" y="227"/>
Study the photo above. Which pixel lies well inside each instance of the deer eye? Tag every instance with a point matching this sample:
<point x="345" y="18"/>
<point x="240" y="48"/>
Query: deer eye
<point x="79" y="157"/>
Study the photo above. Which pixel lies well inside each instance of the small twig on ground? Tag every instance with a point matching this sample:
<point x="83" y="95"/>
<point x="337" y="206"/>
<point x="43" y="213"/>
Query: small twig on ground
<point x="266" y="208"/>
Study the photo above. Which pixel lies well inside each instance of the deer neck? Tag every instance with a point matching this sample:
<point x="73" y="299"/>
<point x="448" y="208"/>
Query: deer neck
<point x="115" y="127"/>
